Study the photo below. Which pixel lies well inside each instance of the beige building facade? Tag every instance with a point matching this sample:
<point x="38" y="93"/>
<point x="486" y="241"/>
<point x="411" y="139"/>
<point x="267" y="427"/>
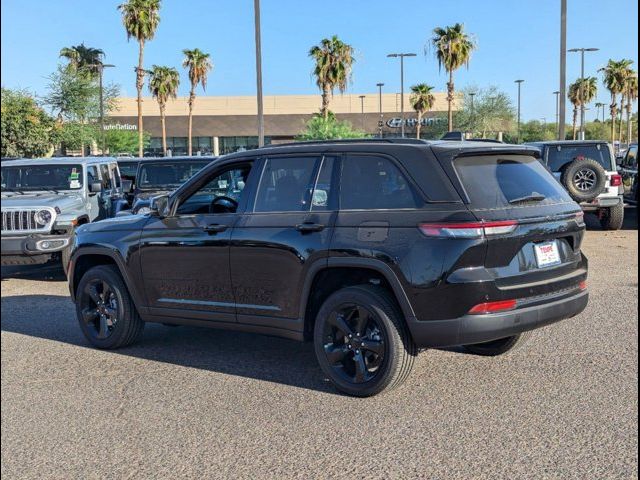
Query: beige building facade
<point x="225" y="124"/>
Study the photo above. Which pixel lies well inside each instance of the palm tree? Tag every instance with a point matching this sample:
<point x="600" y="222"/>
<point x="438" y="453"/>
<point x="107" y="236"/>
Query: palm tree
<point x="422" y="101"/>
<point x="453" y="49"/>
<point x="334" y="61"/>
<point x="199" y="64"/>
<point x="614" y="79"/>
<point x="631" y="88"/>
<point x="163" y="85"/>
<point x="140" y="19"/>
<point x="574" y="97"/>
<point x="83" y="59"/>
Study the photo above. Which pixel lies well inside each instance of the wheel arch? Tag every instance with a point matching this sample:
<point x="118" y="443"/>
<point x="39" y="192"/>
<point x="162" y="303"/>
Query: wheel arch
<point x="85" y="258"/>
<point x="359" y="270"/>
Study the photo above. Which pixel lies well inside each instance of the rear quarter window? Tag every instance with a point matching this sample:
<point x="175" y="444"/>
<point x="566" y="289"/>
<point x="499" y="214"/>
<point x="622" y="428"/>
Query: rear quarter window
<point x="502" y="181"/>
<point x="560" y="155"/>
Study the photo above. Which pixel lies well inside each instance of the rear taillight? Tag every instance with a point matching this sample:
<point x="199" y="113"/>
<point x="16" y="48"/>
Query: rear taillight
<point x="468" y="229"/>
<point x="616" y="180"/>
<point x="493" y="307"/>
<point x="583" y="285"/>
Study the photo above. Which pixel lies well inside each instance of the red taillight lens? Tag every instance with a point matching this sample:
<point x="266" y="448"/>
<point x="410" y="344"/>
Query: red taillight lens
<point x="468" y="229"/>
<point x="616" y="180"/>
<point x="493" y="307"/>
<point x="583" y="285"/>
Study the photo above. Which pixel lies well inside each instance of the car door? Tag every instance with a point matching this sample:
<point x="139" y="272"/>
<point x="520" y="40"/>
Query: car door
<point x="109" y="189"/>
<point x="287" y="228"/>
<point x="93" y="198"/>
<point x="185" y="255"/>
<point x="629" y="170"/>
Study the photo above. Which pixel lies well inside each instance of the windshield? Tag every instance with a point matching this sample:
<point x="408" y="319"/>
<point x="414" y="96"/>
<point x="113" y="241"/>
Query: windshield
<point x="508" y="180"/>
<point x="41" y="177"/>
<point x="165" y="175"/>
<point x="559" y="155"/>
<point x="128" y="169"/>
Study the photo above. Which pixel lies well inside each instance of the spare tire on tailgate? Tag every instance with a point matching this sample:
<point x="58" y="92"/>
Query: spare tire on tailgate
<point x="584" y="179"/>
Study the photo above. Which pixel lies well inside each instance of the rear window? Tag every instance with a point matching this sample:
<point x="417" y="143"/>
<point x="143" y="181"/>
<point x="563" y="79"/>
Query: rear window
<point x="508" y="181"/>
<point x="560" y="155"/>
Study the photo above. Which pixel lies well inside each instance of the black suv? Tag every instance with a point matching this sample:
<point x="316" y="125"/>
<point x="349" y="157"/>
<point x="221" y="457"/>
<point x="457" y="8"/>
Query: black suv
<point x="372" y="249"/>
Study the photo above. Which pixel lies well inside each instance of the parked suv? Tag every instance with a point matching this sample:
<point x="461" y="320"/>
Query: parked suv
<point x="372" y="249"/>
<point x="157" y="176"/>
<point x="44" y="200"/>
<point x="587" y="169"/>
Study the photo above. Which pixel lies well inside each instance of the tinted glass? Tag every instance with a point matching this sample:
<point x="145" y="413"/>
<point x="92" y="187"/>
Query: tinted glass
<point x="42" y="177"/>
<point x="106" y="177"/>
<point x="230" y="183"/>
<point x="509" y="180"/>
<point x="372" y="182"/>
<point x="631" y="159"/>
<point x="559" y="155"/>
<point x="286" y="185"/>
<point x="128" y="169"/>
<point x="165" y="175"/>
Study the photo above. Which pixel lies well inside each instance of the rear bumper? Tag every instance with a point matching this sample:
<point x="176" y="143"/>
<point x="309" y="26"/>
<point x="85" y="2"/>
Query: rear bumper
<point x="471" y="329"/>
<point x="601" y="202"/>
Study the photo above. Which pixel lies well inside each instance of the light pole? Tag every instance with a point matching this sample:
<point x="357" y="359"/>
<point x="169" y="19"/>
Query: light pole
<point x="100" y="67"/>
<point x="256" y="12"/>
<point x="582" y="50"/>
<point x="362" y="97"/>
<point x="380" y="122"/>
<point x="563" y="69"/>
<point x="401" y="55"/>
<point x="473" y="112"/>
<point x="519" y="82"/>
<point x="557" y="94"/>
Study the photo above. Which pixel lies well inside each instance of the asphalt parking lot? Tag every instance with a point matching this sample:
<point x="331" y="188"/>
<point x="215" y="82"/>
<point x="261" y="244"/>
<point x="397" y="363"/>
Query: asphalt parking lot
<point x="201" y="403"/>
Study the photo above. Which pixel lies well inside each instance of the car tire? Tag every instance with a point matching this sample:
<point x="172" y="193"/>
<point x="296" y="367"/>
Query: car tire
<point x="107" y="315"/>
<point x="500" y="346"/>
<point x="613" y="218"/>
<point x="380" y="353"/>
<point x="584" y="179"/>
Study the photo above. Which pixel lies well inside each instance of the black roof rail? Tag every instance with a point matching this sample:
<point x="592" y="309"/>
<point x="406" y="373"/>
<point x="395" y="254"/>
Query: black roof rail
<point x="406" y="141"/>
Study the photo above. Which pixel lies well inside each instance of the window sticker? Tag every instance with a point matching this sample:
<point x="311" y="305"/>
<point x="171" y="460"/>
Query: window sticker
<point x="74" y="184"/>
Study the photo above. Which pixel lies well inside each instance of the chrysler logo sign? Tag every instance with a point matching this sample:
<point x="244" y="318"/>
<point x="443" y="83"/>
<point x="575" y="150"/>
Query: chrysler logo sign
<point x="396" y="122"/>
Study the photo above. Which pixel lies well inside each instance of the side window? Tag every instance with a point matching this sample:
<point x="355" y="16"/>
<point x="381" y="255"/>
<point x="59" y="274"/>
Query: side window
<point x="631" y="160"/>
<point x="92" y="174"/>
<point x="115" y="174"/>
<point x="220" y="194"/>
<point x="286" y="184"/>
<point x="106" y="177"/>
<point x="374" y="183"/>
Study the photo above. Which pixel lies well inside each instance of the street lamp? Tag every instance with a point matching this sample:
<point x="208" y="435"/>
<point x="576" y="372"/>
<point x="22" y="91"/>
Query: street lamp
<point x="362" y="97"/>
<point x="582" y="50"/>
<point x="557" y="94"/>
<point x="401" y="56"/>
<point x="256" y="13"/>
<point x="473" y="111"/>
<point x="100" y="67"/>
<point x="380" y="122"/>
<point x="519" y="82"/>
<point x="563" y="69"/>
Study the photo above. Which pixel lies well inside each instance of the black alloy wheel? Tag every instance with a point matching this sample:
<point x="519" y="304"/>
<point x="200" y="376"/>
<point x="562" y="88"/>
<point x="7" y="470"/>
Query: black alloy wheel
<point x="354" y="343"/>
<point x="100" y="309"/>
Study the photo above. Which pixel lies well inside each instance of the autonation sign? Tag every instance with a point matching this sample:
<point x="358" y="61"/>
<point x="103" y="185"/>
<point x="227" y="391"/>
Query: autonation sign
<point x="396" y="122"/>
<point x="121" y="126"/>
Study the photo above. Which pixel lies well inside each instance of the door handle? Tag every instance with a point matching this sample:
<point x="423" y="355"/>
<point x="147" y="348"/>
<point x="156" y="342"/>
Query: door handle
<point x="309" y="227"/>
<point x="215" y="228"/>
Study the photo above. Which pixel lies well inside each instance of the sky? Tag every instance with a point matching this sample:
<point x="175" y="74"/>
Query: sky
<point x="515" y="38"/>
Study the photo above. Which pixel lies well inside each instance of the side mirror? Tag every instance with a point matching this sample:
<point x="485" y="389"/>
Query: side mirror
<point x="127" y="186"/>
<point x="159" y="205"/>
<point x="95" y="187"/>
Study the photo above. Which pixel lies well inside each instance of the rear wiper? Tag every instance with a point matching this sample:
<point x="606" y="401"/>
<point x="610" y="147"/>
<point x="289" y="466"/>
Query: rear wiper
<point x="534" y="197"/>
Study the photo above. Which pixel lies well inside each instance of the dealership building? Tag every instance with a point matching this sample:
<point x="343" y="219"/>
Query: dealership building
<point x="227" y="124"/>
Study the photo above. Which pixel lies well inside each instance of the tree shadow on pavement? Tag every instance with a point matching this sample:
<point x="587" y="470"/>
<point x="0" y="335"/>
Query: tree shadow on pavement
<point x="254" y="356"/>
